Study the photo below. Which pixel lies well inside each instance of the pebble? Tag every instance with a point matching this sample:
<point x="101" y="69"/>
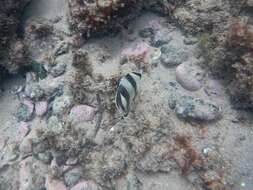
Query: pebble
<point x="146" y="32"/>
<point x="55" y="169"/>
<point x="83" y="185"/>
<point x="71" y="177"/>
<point x="81" y="113"/>
<point x="138" y="52"/>
<point x="189" y="76"/>
<point x="33" y="91"/>
<point x="62" y="48"/>
<point x="173" y="55"/>
<point x="190" y="40"/>
<point x="41" y="108"/>
<point x="72" y="161"/>
<point x="45" y="157"/>
<point x="25" y="174"/>
<point x="61" y="104"/>
<point x="53" y="184"/>
<point x="25" y="110"/>
<point x="190" y="108"/>
<point x="54" y="125"/>
<point x="25" y="147"/>
<point x="133" y="183"/>
<point x="58" y="70"/>
<point x="160" y="38"/>
<point x="22" y="131"/>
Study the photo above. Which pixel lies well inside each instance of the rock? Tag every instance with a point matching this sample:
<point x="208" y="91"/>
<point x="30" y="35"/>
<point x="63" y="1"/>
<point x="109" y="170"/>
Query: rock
<point x="250" y="3"/>
<point x="45" y="157"/>
<point x="160" y="38"/>
<point x="190" y="108"/>
<point x="58" y="70"/>
<point x="81" y="113"/>
<point x="25" y="111"/>
<point x="72" y="161"/>
<point x="25" y="174"/>
<point x="54" y="184"/>
<point x="137" y="53"/>
<point x="173" y="55"/>
<point x="146" y="32"/>
<point x="12" y="58"/>
<point x="23" y="130"/>
<point x="41" y="108"/>
<point x="33" y="91"/>
<point x="54" y="125"/>
<point x="25" y="147"/>
<point x="62" y="104"/>
<point x="133" y="182"/>
<point x="190" y="40"/>
<point x="62" y="48"/>
<point x="189" y="76"/>
<point x="71" y="177"/>
<point x="89" y="185"/>
<point x="55" y="169"/>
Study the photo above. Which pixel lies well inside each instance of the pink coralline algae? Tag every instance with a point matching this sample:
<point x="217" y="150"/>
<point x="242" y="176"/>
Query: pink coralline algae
<point x="137" y="53"/>
<point x="82" y="113"/>
<point x="23" y="130"/>
<point x="41" y="108"/>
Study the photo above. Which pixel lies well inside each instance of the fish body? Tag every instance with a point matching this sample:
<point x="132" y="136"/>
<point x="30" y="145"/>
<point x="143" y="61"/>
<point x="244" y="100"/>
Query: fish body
<point x="126" y="91"/>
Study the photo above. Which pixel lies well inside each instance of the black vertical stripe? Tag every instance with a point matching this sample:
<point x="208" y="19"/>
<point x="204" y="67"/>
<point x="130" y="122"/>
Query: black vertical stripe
<point x="138" y="74"/>
<point x="132" y="81"/>
<point x="122" y="91"/>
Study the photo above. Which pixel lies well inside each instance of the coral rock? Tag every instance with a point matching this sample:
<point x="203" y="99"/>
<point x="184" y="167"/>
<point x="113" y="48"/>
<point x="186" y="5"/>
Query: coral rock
<point x="190" y="108"/>
<point x="86" y="185"/>
<point x="82" y="113"/>
<point x="23" y="130"/>
<point x="189" y="77"/>
<point x="53" y="184"/>
<point x="25" y="174"/>
<point x="137" y="53"/>
<point x="41" y="108"/>
<point x="25" y="110"/>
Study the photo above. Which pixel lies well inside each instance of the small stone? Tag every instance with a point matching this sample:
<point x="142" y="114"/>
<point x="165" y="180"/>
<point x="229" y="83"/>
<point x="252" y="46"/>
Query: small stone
<point x="61" y="104"/>
<point x="89" y="185"/>
<point x="41" y="108"/>
<point x="25" y="174"/>
<point x="58" y="70"/>
<point x="62" y="48"/>
<point x="189" y="77"/>
<point x="190" y="40"/>
<point x="45" y="157"/>
<point x="81" y="113"/>
<point x="54" y="125"/>
<point x="25" y="111"/>
<point x="72" y="161"/>
<point x="53" y="184"/>
<point x="146" y="32"/>
<point x="33" y="91"/>
<point x="190" y="108"/>
<point x="55" y="169"/>
<point x="133" y="182"/>
<point x="160" y="38"/>
<point x="172" y="55"/>
<point x="206" y="150"/>
<point x="71" y="177"/>
<point x="137" y="53"/>
<point x="25" y="147"/>
<point x="23" y="130"/>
